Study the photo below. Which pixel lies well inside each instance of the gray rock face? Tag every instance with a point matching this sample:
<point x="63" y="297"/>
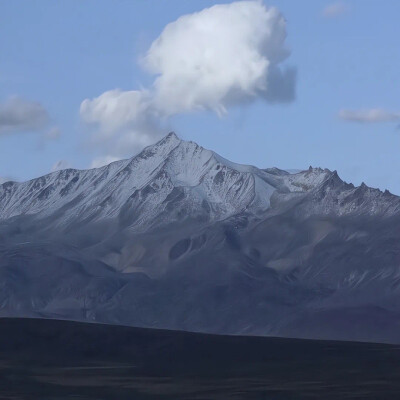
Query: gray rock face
<point x="178" y="237"/>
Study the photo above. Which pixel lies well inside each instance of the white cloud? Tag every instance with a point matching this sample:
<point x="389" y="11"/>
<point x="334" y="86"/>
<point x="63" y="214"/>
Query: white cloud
<point x="123" y="119"/>
<point x="222" y="56"/>
<point x="59" y="165"/>
<point x="20" y="115"/>
<point x="115" y="109"/>
<point x="217" y="57"/>
<point x="369" y="115"/>
<point x="334" y="10"/>
<point x="99" y="162"/>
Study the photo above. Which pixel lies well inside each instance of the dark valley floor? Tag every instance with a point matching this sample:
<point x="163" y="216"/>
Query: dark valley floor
<point x="52" y="359"/>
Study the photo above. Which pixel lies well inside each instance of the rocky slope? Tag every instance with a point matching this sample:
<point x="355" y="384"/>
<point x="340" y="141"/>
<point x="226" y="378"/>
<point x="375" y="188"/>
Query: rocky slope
<point x="178" y="237"/>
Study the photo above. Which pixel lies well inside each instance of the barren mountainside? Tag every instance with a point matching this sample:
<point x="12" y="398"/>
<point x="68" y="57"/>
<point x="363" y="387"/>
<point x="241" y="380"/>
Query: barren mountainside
<point x="178" y="237"/>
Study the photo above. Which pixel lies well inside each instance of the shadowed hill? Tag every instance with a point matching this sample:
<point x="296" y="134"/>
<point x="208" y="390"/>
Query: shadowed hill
<point x="43" y="359"/>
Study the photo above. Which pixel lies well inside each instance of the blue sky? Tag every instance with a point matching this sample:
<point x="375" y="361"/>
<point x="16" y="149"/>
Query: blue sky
<point x="56" y="54"/>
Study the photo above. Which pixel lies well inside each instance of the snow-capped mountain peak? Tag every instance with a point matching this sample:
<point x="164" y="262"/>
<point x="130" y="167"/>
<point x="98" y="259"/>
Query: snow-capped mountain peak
<point x="172" y="179"/>
<point x="179" y="237"/>
<point x="145" y="182"/>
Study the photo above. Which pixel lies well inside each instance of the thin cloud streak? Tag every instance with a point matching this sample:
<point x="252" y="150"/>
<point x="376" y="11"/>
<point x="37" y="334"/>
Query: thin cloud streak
<point x="373" y="115"/>
<point x="335" y="10"/>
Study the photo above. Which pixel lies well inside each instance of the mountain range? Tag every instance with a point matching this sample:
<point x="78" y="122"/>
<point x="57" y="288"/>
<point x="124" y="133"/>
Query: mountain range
<point x="178" y="237"/>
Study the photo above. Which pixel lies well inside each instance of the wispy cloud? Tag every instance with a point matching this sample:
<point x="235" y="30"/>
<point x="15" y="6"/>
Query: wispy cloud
<point x="100" y="161"/>
<point x="4" y="179"/>
<point x="20" y="115"/>
<point x="335" y="10"/>
<point x="369" y="115"/>
<point x="222" y="56"/>
<point x="59" y="165"/>
<point x="53" y="133"/>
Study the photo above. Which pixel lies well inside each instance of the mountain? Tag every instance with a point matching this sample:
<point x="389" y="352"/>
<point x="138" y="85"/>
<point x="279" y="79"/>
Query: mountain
<point x="178" y="237"/>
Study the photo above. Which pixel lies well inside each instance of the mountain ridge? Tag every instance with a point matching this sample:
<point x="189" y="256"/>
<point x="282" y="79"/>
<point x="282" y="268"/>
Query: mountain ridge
<point x="179" y="164"/>
<point x="178" y="237"/>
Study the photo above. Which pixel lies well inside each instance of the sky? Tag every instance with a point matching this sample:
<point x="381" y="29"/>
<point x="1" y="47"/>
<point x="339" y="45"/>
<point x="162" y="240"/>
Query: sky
<point x="270" y="83"/>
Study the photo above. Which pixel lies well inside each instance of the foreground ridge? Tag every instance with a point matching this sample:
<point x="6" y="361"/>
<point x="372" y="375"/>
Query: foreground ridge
<point x="62" y="359"/>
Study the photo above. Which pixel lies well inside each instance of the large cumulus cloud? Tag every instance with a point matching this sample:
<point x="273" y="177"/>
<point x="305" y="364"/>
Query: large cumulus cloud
<point x="222" y="56"/>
